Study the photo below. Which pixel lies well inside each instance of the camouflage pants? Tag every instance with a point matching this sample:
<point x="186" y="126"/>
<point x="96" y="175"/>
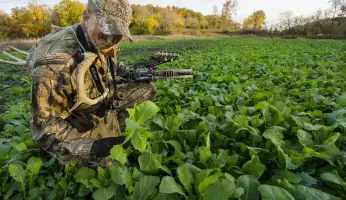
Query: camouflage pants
<point x="133" y="93"/>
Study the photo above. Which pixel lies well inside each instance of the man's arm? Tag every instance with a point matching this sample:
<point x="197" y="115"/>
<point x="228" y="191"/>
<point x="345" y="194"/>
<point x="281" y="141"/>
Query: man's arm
<point x="52" y="96"/>
<point x="53" y="93"/>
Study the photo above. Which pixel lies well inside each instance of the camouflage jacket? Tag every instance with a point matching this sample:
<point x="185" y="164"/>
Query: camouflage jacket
<point x="69" y="134"/>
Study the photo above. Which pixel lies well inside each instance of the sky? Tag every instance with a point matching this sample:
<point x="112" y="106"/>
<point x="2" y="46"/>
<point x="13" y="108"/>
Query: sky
<point x="272" y="8"/>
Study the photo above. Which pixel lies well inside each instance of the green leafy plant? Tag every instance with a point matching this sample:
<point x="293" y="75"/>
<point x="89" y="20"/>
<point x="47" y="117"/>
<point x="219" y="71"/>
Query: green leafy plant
<point x="262" y="119"/>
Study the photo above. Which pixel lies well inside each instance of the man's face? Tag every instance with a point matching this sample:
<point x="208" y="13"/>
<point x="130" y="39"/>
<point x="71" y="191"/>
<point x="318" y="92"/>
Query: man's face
<point x="102" y="42"/>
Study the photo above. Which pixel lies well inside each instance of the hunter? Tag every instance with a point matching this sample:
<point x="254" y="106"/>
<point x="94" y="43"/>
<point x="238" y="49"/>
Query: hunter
<point x="73" y="117"/>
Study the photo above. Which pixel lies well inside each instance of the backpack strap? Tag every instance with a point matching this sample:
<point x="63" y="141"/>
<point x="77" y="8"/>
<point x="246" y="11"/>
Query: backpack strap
<point x="91" y="48"/>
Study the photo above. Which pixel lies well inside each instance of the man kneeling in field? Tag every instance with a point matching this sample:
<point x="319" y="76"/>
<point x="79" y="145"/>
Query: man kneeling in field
<point x="72" y="91"/>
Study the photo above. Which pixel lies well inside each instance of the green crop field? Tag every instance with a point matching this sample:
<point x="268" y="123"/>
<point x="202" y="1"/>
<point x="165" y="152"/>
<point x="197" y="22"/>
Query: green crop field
<point x="262" y="119"/>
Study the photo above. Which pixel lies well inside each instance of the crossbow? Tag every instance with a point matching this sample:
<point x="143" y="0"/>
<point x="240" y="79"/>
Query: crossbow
<point x="146" y="70"/>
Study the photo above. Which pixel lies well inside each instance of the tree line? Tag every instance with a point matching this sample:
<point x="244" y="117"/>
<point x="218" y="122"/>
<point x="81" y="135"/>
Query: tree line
<point x="324" y="23"/>
<point x="35" y="20"/>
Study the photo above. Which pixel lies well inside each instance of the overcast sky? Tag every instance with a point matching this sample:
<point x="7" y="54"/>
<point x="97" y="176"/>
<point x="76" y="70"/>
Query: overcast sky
<point x="271" y="7"/>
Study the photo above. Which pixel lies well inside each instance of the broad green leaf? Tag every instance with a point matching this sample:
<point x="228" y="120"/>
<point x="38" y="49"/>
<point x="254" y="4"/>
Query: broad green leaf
<point x="257" y="121"/>
<point x="262" y="105"/>
<point x="230" y="178"/>
<point x="222" y="159"/>
<point x="4" y="149"/>
<point x="253" y="132"/>
<point x="172" y="123"/>
<point x="34" y="193"/>
<point x="34" y="165"/>
<point x="333" y="178"/>
<point x="173" y="92"/>
<point x="300" y="120"/>
<point x="159" y="120"/>
<point x="21" y="147"/>
<point x="289" y="176"/>
<point x="139" y="140"/>
<point x="204" y="151"/>
<point x="311" y="127"/>
<point x="203" y="174"/>
<point x="145" y="187"/>
<point x="312" y="153"/>
<point x="342" y="100"/>
<point x="96" y="183"/>
<point x="220" y="190"/>
<point x="52" y="194"/>
<point x="102" y="175"/>
<point x="186" y="175"/>
<point x="137" y="174"/>
<point x="143" y="112"/>
<point x="250" y="185"/>
<point x="163" y="196"/>
<point x="243" y="110"/>
<point x="118" y="153"/>
<point x="195" y="105"/>
<point x="234" y="160"/>
<point x="300" y="192"/>
<point x="329" y="144"/>
<point x="238" y="192"/>
<point x="202" y="187"/>
<point x="149" y="162"/>
<point x="272" y="115"/>
<point x="178" y="154"/>
<point x="307" y="180"/>
<point x="132" y="125"/>
<point x="254" y="167"/>
<point x="240" y="121"/>
<point x="84" y="175"/>
<point x="13" y="188"/>
<point x="274" y="134"/>
<point x="121" y="176"/>
<point x="305" y="138"/>
<point x="334" y="116"/>
<point x="204" y="154"/>
<point x="104" y="193"/>
<point x="269" y="192"/>
<point x="284" y="160"/>
<point x="256" y="151"/>
<point x="283" y="183"/>
<point x="17" y="172"/>
<point x="169" y="186"/>
<point x="166" y="169"/>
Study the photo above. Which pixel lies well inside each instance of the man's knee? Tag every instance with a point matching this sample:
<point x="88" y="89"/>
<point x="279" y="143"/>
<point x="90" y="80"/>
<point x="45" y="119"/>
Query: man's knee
<point x="146" y="91"/>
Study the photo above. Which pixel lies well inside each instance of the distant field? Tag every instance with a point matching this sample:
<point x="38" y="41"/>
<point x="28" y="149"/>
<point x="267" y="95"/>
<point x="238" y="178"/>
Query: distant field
<point x="27" y="43"/>
<point x="262" y="119"/>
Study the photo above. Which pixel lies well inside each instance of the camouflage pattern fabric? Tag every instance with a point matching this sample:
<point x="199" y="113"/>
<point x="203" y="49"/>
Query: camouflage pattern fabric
<point x="114" y="16"/>
<point x="69" y="135"/>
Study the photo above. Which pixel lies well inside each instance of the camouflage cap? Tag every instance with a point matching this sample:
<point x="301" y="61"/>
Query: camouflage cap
<point x="114" y="16"/>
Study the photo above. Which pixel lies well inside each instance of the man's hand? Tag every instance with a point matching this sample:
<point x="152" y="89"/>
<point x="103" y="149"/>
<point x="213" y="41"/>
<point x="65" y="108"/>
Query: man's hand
<point x="102" y="147"/>
<point x="122" y="70"/>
